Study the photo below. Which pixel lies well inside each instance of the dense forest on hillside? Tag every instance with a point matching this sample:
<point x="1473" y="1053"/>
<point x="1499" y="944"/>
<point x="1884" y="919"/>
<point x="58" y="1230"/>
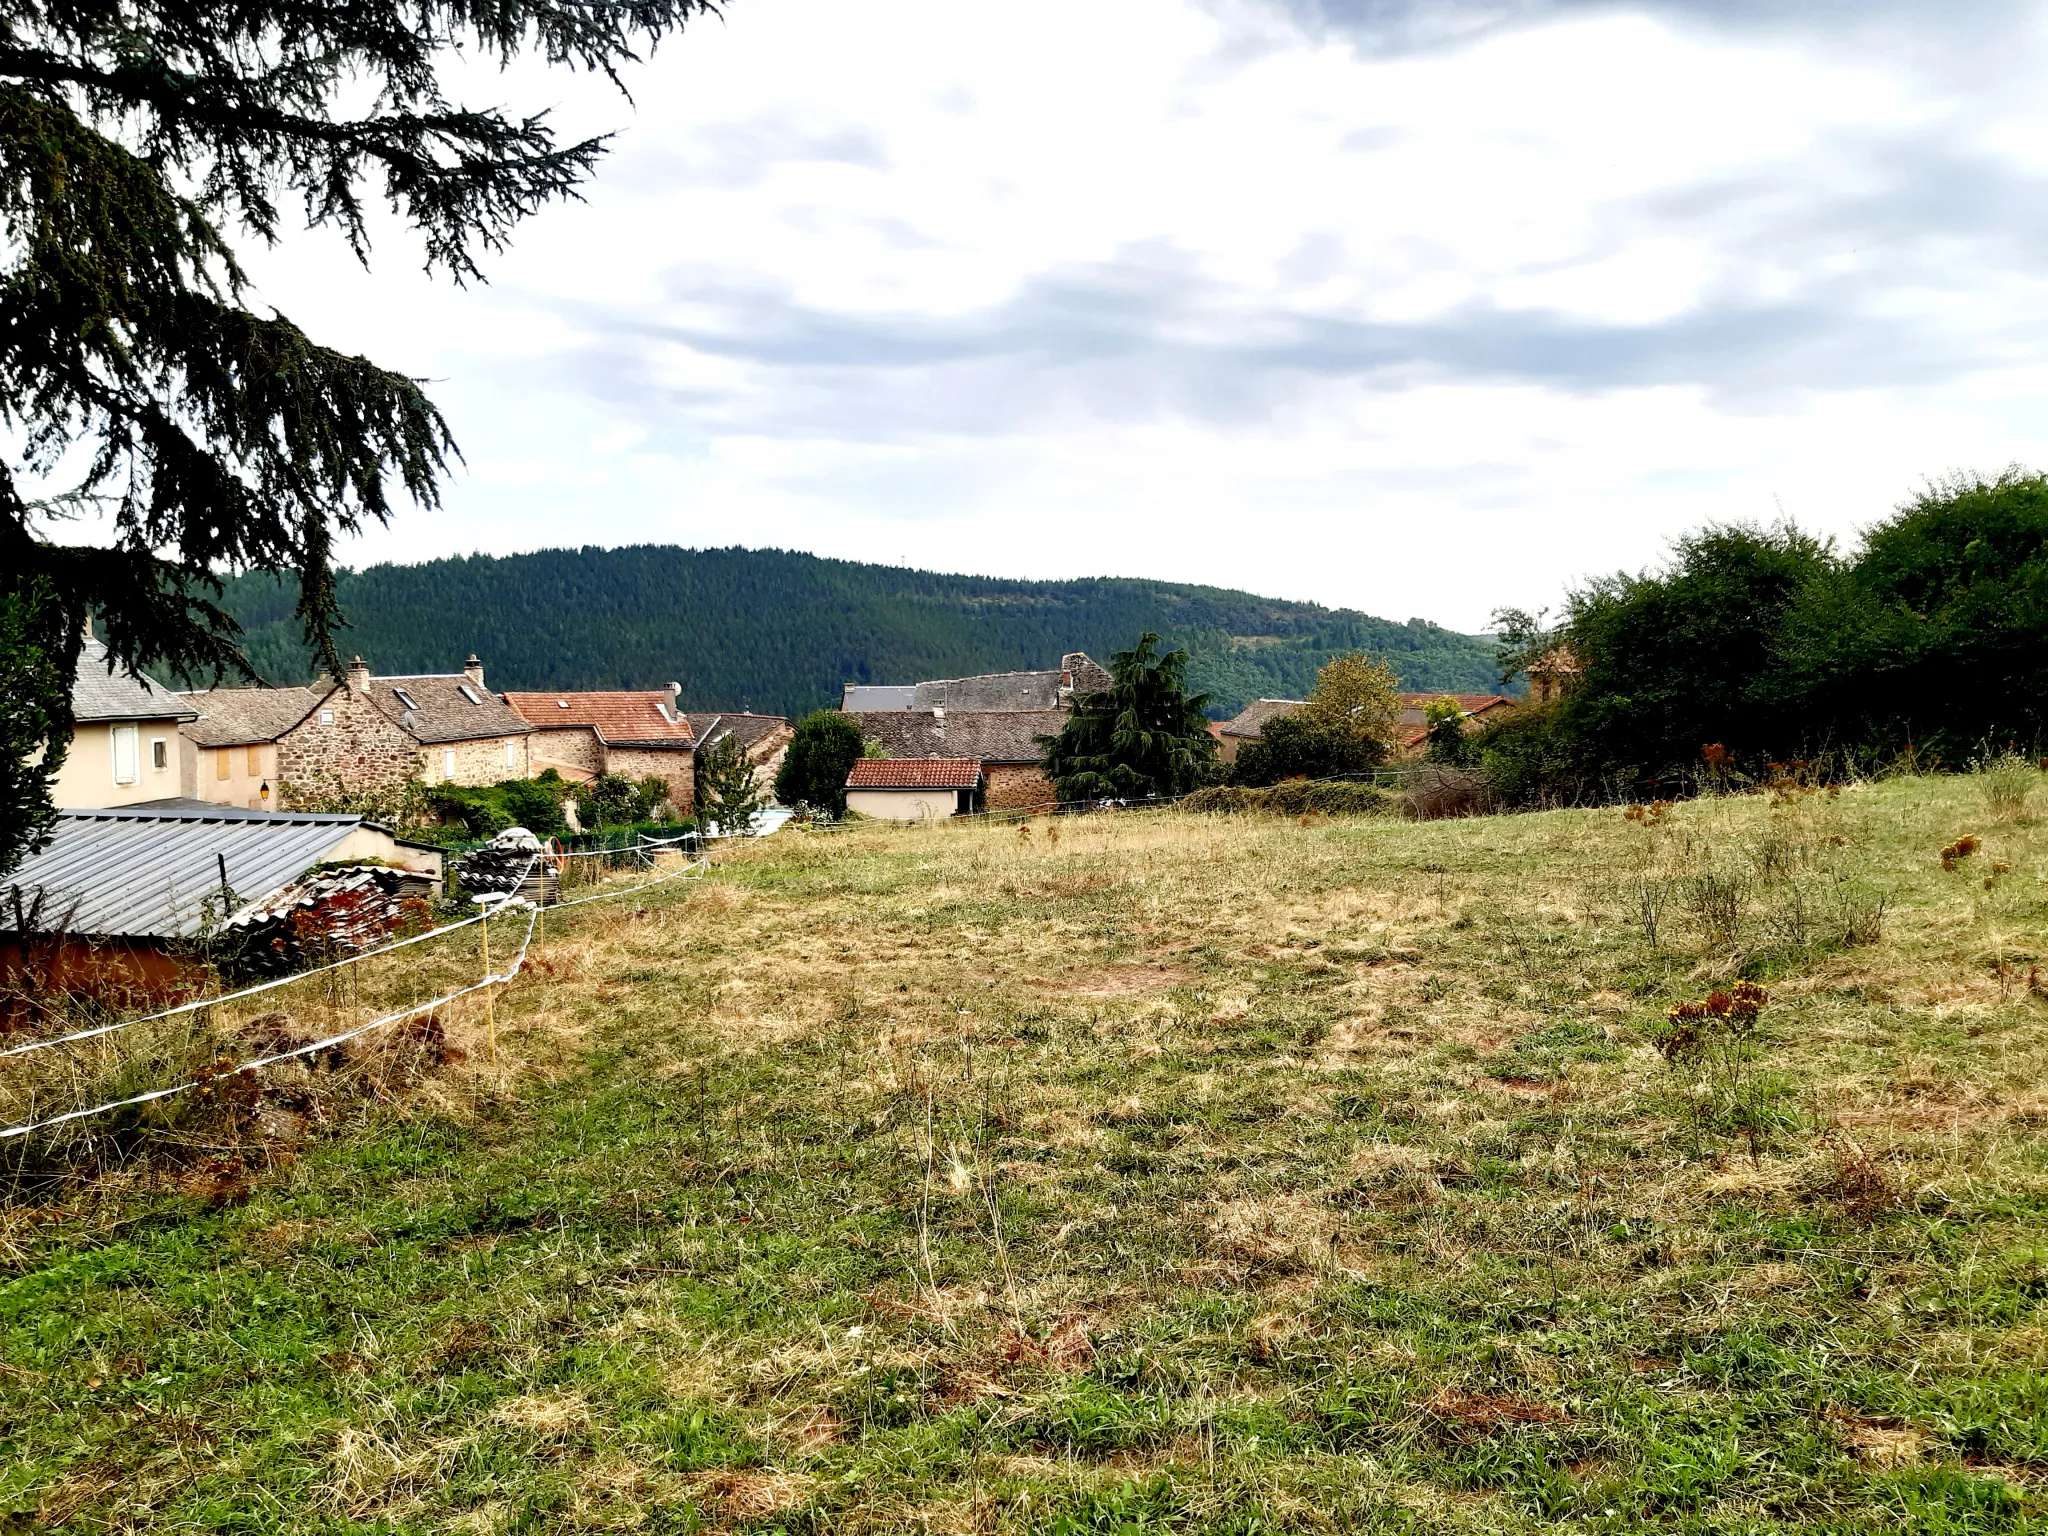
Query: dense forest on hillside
<point x="780" y="632"/>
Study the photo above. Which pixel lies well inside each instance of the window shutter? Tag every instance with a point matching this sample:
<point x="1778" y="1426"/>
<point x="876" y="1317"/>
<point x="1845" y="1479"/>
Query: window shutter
<point x="127" y="754"/>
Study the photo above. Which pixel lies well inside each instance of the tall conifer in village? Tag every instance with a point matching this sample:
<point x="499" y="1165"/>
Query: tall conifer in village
<point x="139" y="139"/>
<point x="1143" y="736"/>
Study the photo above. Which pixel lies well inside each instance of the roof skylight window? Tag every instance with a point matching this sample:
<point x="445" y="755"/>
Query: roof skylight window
<point x="469" y="693"/>
<point x="405" y="698"/>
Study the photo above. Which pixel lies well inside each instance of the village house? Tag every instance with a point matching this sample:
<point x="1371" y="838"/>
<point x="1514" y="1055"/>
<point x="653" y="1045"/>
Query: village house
<point x="764" y="738"/>
<point x="635" y="733"/>
<point x="368" y="732"/>
<point x="1247" y="723"/>
<point x="915" y="789"/>
<point x="1411" y="722"/>
<point x="124" y="737"/>
<point x="233" y="742"/>
<point x="1003" y="742"/>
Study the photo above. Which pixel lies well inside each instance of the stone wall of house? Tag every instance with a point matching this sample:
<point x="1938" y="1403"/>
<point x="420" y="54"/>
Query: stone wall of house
<point x="1018" y="787"/>
<point x="675" y="766"/>
<point x="477" y="762"/>
<point x="569" y="752"/>
<point x="344" y="744"/>
<point x="767" y="754"/>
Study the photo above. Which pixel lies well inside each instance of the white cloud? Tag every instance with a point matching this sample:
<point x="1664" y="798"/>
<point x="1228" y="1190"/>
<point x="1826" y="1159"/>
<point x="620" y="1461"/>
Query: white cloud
<point x="1228" y="293"/>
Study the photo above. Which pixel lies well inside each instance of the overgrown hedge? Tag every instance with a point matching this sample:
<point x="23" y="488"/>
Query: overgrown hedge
<point x="1296" y="797"/>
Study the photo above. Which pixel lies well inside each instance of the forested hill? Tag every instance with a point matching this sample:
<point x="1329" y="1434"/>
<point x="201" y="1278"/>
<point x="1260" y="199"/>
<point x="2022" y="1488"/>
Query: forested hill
<point x="780" y="632"/>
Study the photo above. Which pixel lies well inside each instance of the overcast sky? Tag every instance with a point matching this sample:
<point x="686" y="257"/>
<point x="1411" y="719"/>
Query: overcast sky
<point x="1420" y="308"/>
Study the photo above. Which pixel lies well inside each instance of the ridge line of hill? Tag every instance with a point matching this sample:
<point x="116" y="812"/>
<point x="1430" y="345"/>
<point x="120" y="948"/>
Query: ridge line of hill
<point x="779" y="631"/>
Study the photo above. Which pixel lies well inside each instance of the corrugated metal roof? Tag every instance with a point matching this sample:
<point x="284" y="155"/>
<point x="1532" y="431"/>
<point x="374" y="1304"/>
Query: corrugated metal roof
<point x="138" y="873"/>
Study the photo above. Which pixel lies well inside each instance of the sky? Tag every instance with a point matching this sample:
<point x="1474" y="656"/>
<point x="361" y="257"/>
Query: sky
<point x="1412" y="306"/>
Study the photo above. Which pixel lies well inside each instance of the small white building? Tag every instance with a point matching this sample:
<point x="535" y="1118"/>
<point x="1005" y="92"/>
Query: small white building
<point x="915" y="788"/>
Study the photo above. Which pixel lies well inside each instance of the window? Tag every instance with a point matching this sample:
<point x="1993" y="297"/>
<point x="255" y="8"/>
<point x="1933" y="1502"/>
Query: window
<point x="405" y="698"/>
<point x="255" y="762"/>
<point x="224" y="763"/>
<point x="448" y="763"/>
<point x="469" y="693"/>
<point x="327" y="717"/>
<point x="127" y="752"/>
<point x="511" y="761"/>
<point x="159" y="753"/>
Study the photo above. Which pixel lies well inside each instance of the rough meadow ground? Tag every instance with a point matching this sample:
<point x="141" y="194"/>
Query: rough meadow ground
<point x="1141" y="1173"/>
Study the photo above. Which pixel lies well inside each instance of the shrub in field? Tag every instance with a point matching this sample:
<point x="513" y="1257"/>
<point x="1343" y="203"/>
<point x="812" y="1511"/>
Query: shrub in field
<point x="2008" y="780"/>
<point x="1296" y="797"/>
<point x="1436" y="792"/>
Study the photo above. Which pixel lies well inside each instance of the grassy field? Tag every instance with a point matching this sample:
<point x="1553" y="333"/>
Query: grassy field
<point x="1137" y="1174"/>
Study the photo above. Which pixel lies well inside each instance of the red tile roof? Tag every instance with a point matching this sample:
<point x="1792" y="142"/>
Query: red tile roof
<point x="639" y="717"/>
<point x="914" y="773"/>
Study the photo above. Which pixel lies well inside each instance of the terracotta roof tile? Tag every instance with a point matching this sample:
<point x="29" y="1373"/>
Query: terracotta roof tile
<point x="632" y="717"/>
<point x="914" y="773"/>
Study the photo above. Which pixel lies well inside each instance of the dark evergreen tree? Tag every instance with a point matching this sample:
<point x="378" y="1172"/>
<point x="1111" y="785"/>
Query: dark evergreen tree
<point x="1143" y="736"/>
<point x="821" y="754"/>
<point x="137" y="142"/>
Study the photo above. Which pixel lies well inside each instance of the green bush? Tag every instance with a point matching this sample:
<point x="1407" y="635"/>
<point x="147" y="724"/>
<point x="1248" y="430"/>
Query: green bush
<point x="1296" y="797"/>
<point x="821" y="754"/>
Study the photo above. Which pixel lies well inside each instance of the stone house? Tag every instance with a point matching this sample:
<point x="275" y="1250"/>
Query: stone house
<point x="1247" y="723"/>
<point x="764" y="738"/>
<point x="914" y="789"/>
<point x="369" y="733"/>
<point x="636" y="733"/>
<point x="1004" y="742"/>
<point x="124" y="738"/>
<point x="233" y="742"/>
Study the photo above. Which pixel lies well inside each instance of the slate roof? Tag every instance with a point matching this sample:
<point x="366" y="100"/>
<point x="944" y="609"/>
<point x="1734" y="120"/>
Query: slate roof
<point x="915" y="773"/>
<point x="857" y="697"/>
<point x="234" y="717"/>
<point x="442" y="711"/>
<point x="990" y="736"/>
<point x="1252" y="719"/>
<point x="992" y="691"/>
<point x="1049" y="688"/>
<point x="709" y="729"/>
<point x="628" y="718"/>
<point x="147" y="873"/>
<point x="99" y="696"/>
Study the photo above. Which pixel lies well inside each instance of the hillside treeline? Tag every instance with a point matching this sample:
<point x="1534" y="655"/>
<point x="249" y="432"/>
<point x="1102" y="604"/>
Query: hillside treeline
<point x="1761" y="645"/>
<point x="780" y="632"/>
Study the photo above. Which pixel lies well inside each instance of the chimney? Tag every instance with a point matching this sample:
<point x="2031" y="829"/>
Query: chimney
<point x="358" y="675"/>
<point x="473" y="669"/>
<point x="939" y="721"/>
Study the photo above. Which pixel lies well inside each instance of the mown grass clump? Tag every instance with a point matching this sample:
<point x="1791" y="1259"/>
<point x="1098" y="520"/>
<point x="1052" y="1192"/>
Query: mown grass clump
<point x="1176" y="1173"/>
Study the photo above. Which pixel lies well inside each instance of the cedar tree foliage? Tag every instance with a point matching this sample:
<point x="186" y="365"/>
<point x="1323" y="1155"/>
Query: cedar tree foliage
<point x="1143" y="736"/>
<point x="138" y="140"/>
